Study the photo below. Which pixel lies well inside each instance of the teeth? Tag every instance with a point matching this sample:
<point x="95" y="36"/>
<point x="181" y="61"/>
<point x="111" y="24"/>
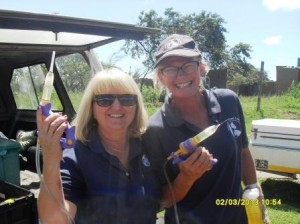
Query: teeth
<point x="183" y="85"/>
<point x="116" y="115"/>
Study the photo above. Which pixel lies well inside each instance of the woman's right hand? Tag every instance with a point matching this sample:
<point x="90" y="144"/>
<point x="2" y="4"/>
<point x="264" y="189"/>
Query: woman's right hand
<point x="50" y="130"/>
<point x="196" y="164"/>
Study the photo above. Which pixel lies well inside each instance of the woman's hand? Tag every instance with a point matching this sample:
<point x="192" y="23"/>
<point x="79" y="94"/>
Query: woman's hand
<point x="196" y="164"/>
<point x="50" y="130"/>
<point x="191" y="169"/>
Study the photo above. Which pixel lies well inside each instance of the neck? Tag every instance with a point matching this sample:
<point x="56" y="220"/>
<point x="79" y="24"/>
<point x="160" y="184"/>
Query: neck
<point x="193" y="109"/>
<point x="117" y="146"/>
<point x="115" y="143"/>
<point x="189" y="103"/>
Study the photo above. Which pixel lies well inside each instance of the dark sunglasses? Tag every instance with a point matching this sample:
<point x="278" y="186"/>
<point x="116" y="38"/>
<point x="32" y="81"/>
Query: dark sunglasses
<point x="106" y="100"/>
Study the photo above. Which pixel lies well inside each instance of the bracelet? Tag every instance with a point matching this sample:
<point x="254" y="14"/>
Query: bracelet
<point x="251" y="186"/>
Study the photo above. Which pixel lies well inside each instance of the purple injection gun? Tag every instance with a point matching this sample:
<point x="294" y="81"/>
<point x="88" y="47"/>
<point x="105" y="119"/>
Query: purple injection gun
<point x="189" y="146"/>
<point x="69" y="135"/>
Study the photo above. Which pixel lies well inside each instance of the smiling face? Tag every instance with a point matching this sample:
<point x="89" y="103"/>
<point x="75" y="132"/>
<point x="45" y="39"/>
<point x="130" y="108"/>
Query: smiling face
<point x="115" y="118"/>
<point x="186" y="82"/>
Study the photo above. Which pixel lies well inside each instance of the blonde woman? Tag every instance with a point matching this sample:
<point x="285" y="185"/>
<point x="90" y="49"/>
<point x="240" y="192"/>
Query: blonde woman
<point x="106" y="177"/>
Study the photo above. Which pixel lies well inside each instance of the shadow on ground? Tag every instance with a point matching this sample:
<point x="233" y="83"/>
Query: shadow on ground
<point x="286" y="190"/>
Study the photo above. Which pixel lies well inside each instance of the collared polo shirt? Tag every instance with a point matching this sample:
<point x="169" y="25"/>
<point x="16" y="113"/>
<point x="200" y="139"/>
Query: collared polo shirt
<point x="103" y="190"/>
<point x="167" y="130"/>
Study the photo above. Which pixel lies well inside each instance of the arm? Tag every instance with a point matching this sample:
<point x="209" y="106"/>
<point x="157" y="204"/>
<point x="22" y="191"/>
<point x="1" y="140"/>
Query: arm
<point x="248" y="167"/>
<point x="191" y="169"/>
<point x="52" y="206"/>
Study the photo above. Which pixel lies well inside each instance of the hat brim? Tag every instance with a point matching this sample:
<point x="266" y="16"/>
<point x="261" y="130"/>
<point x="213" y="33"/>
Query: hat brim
<point x="186" y="53"/>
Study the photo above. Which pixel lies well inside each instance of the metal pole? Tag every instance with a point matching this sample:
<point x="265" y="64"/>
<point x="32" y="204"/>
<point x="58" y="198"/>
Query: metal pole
<point x="260" y="86"/>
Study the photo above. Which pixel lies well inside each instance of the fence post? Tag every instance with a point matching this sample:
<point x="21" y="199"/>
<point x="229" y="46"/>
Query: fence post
<point x="260" y="86"/>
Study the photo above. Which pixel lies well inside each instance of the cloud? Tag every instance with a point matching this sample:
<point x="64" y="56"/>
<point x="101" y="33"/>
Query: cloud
<point x="274" y="5"/>
<point x="273" y="40"/>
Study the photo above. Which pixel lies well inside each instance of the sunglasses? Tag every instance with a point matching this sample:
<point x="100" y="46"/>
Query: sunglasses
<point x="106" y="100"/>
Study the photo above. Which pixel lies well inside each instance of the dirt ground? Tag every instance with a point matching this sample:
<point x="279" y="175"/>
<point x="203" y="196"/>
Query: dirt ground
<point x="31" y="181"/>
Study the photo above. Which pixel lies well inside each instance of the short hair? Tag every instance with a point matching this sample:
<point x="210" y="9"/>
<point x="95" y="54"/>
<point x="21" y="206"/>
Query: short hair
<point x="101" y="83"/>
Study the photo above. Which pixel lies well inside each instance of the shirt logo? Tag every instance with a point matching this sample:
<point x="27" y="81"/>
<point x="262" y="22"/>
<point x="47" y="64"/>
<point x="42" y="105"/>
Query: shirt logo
<point x="145" y="161"/>
<point x="233" y="126"/>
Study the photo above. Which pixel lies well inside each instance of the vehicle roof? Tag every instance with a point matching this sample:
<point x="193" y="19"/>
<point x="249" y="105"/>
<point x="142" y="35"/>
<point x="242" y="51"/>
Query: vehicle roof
<point x="24" y="32"/>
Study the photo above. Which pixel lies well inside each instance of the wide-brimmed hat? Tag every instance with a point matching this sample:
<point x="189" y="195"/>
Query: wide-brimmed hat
<point x="177" y="45"/>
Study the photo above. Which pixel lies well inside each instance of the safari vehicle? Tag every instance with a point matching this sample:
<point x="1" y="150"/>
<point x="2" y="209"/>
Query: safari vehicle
<point x="27" y="41"/>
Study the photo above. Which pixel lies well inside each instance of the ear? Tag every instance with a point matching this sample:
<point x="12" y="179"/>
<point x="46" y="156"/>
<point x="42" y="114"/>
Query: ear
<point x="202" y="68"/>
<point x="160" y="77"/>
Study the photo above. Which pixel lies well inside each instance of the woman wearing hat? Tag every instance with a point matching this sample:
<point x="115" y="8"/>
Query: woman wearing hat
<point x="199" y="187"/>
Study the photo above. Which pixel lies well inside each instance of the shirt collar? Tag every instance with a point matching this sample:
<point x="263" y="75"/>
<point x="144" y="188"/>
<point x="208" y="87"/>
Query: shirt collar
<point x="174" y="119"/>
<point x="95" y="144"/>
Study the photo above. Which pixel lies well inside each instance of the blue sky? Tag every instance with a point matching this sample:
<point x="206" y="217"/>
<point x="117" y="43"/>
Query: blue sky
<point x="271" y="27"/>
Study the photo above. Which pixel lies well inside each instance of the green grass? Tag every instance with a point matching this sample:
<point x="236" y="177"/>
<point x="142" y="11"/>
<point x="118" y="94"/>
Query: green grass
<point x="285" y="106"/>
<point x="279" y="107"/>
<point x="288" y="192"/>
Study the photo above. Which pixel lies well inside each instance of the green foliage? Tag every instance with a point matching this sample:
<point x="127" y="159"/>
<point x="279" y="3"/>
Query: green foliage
<point x="75" y="98"/>
<point x="208" y="31"/>
<point x="284" y="214"/>
<point x="278" y="107"/>
<point x="288" y="192"/>
<point x="206" y="28"/>
<point x="152" y="108"/>
<point x="74" y="71"/>
<point x="150" y="95"/>
<point x="294" y="90"/>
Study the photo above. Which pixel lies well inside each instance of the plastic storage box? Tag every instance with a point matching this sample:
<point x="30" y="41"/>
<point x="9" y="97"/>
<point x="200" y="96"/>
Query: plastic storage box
<point x="9" y="161"/>
<point x="17" y="205"/>
<point x="275" y="145"/>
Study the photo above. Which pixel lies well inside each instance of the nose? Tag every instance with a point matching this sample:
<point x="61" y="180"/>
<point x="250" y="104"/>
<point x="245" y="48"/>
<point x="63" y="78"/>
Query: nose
<point x="180" y="72"/>
<point x="116" y="103"/>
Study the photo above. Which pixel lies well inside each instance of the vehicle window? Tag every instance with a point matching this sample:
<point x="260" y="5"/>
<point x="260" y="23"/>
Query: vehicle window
<point x="27" y="87"/>
<point x="75" y="74"/>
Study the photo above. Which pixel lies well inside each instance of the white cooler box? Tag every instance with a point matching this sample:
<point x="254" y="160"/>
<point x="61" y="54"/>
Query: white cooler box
<point x="275" y="145"/>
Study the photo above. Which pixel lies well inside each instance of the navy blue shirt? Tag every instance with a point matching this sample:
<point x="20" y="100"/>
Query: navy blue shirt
<point x="167" y="130"/>
<point x="103" y="190"/>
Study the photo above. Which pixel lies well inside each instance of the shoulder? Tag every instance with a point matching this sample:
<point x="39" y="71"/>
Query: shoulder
<point x="224" y="93"/>
<point x="225" y="96"/>
<point x="156" y="120"/>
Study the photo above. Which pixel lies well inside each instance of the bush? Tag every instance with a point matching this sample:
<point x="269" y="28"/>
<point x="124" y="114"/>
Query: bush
<point x="150" y="94"/>
<point x="294" y="90"/>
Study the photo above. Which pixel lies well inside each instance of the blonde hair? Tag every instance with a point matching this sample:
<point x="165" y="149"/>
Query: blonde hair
<point x="101" y="83"/>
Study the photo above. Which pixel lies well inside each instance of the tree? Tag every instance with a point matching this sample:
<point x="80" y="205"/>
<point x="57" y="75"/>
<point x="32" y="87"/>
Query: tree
<point x="240" y="71"/>
<point x="236" y="62"/>
<point x="208" y="31"/>
<point x="206" y="28"/>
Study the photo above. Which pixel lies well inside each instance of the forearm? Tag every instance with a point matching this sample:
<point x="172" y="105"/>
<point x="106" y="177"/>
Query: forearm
<point x="51" y="203"/>
<point x="248" y="167"/>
